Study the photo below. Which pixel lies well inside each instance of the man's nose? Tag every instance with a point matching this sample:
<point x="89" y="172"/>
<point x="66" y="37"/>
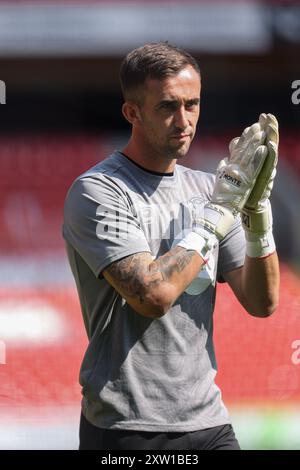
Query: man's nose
<point x="181" y="119"/>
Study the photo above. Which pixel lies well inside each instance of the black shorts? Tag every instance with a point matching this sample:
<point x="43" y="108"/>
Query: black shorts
<point x="217" y="438"/>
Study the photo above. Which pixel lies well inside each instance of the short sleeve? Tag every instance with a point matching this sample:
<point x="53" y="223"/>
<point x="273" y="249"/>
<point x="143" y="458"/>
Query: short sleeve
<point x="232" y="250"/>
<point x="100" y="223"/>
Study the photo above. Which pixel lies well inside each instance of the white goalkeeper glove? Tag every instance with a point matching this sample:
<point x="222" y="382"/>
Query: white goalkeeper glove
<point x="257" y="214"/>
<point x="234" y="182"/>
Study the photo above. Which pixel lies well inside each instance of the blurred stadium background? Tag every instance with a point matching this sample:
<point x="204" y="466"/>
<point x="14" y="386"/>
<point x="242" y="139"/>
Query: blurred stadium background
<point x="59" y="61"/>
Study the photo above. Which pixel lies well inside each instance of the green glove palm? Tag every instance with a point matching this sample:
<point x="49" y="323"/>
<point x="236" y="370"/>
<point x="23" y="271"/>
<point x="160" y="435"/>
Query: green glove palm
<point x="264" y="182"/>
<point x="257" y="214"/>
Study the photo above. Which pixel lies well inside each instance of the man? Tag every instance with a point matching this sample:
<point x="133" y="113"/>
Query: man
<point x="146" y="240"/>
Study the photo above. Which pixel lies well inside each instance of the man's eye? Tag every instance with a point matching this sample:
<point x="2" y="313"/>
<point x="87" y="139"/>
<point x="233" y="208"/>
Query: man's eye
<point x="191" y="105"/>
<point x="169" y="106"/>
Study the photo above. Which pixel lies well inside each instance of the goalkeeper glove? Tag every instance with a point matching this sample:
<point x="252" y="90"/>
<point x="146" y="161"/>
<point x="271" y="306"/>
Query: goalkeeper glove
<point x="234" y="182"/>
<point x="257" y="213"/>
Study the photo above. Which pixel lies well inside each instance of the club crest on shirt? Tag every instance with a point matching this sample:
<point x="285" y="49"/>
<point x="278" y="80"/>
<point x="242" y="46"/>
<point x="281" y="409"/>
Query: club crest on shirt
<point x="195" y="206"/>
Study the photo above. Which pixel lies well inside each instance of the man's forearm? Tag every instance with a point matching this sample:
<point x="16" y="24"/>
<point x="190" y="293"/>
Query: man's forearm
<point x="173" y="272"/>
<point x="152" y="286"/>
<point x="260" y="285"/>
<point x="177" y="267"/>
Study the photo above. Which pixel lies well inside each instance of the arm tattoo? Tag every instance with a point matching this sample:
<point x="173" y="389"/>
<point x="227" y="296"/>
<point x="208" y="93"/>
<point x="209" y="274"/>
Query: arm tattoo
<point x="131" y="274"/>
<point x="174" y="261"/>
<point x="135" y="276"/>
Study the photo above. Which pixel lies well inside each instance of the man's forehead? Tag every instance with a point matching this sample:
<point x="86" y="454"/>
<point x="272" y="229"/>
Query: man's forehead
<point x="187" y="81"/>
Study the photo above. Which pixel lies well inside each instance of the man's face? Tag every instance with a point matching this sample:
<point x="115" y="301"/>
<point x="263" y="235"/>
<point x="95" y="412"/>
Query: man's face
<point x="169" y="113"/>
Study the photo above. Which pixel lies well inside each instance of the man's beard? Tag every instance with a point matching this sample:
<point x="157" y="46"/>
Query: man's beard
<point x="176" y="153"/>
<point x="168" y="151"/>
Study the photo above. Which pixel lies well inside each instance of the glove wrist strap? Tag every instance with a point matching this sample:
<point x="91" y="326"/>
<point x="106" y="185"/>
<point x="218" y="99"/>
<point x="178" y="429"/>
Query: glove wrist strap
<point x="258" y="221"/>
<point x="259" y="245"/>
<point x="208" y="229"/>
<point x="216" y="219"/>
<point x="204" y="244"/>
<point x="258" y="231"/>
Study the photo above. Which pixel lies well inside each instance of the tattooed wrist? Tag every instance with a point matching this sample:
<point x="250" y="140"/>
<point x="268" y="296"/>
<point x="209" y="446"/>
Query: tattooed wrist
<point x="137" y="275"/>
<point x="175" y="261"/>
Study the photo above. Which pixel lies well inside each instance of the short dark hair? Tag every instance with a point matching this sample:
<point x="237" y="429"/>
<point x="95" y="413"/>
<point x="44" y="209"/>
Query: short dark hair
<point x="153" y="60"/>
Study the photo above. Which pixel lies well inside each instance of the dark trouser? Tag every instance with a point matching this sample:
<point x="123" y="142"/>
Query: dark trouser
<point x="217" y="438"/>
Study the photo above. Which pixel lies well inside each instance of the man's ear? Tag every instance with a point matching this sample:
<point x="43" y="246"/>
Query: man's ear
<point x="131" y="112"/>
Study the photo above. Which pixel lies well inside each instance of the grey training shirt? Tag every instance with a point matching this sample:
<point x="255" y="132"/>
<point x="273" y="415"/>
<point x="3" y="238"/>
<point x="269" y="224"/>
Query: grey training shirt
<point x="140" y="373"/>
